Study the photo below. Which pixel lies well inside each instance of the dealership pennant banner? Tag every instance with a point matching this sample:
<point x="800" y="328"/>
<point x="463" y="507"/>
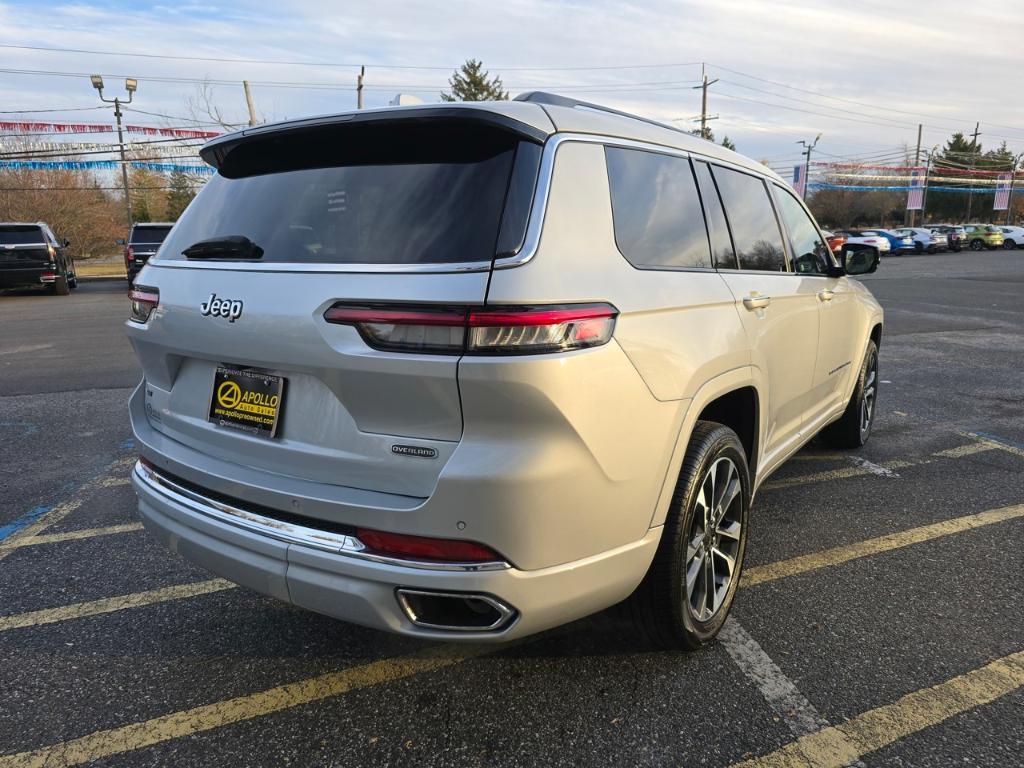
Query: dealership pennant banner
<point x="102" y="165"/>
<point x="902" y="188"/>
<point x="145" y="130"/>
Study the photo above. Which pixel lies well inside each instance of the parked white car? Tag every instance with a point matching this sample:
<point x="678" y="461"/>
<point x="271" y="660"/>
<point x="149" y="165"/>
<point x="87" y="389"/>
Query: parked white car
<point x="924" y="239"/>
<point x="1013" y="237"/>
<point x="868" y="237"/>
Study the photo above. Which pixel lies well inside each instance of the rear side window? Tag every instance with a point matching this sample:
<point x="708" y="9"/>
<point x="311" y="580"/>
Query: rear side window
<point x="153" y="235"/>
<point x="21" y="234"/>
<point x="810" y="253"/>
<point x="718" y="228"/>
<point x="422" y="192"/>
<point x="656" y="210"/>
<point x="755" y="230"/>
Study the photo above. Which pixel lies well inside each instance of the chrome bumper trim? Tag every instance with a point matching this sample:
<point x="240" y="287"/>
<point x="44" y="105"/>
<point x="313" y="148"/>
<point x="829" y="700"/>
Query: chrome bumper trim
<point x="290" y="533"/>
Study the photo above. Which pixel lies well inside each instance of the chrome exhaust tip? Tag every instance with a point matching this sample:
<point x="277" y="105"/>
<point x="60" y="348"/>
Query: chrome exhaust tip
<point x="455" y="611"/>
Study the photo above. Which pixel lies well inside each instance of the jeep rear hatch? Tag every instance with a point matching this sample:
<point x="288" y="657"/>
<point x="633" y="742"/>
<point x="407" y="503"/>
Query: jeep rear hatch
<point x="400" y="212"/>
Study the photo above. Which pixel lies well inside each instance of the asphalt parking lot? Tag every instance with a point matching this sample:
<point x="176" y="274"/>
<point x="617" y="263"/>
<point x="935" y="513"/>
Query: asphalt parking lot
<point x="881" y="620"/>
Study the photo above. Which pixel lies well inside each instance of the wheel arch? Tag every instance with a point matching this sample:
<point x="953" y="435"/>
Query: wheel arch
<point x="736" y="399"/>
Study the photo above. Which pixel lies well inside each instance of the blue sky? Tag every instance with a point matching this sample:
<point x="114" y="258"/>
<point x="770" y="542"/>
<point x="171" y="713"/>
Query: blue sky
<point x="787" y="70"/>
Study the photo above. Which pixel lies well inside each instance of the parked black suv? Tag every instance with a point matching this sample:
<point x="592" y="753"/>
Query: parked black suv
<point x="30" y="254"/>
<point x="143" y="242"/>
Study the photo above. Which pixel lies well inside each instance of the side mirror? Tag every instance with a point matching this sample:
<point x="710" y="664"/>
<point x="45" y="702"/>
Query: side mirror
<point x="66" y="242"/>
<point x="120" y="241"/>
<point x="859" y="259"/>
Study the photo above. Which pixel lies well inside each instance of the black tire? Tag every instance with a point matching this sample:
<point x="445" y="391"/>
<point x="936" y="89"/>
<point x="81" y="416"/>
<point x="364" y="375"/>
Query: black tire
<point x="918" y="246"/>
<point x="853" y="428"/>
<point x="1009" y="245"/>
<point x="60" y="286"/>
<point x="977" y="245"/>
<point x="661" y="607"/>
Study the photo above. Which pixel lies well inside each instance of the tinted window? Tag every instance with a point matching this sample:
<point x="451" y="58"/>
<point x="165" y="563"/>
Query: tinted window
<point x="810" y="253"/>
<point x="149" y="234"/>
<point x="656" y="210"/>
<point x="20" y="234"/>
<point x="407" y="193"/>
<point x="755" y="232"/>
<point x="718" y="228"/>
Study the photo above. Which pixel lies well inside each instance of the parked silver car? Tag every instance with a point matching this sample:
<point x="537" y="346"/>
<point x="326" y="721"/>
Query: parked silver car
<point x="472" y="371"/>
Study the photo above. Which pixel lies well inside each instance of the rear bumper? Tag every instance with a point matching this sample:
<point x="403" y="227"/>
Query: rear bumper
<point x="17" y="278"/>
<point x="323" y="572"/>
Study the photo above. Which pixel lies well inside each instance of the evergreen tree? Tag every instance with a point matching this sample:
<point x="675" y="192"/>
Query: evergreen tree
<point x="704" y="133"/>
<point x="471" y="82"/>
<point x="728" y="144"/>
<point x="179" y="195"/>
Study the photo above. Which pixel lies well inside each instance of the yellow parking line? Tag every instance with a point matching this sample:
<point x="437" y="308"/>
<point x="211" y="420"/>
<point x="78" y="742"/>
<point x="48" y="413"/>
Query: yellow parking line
<point x="111" y="604"/>
<point x="84" y="533"/>
<point x="841" y="745"/>
<point x="114" y="482"/>
<point x="175" y="725"/>
<point x="979" y="445"/>
<point x="963" y="450"/>
<point x="815" y="560"/>
<point x="995" y="444"/>
<point x="62" y="510"/>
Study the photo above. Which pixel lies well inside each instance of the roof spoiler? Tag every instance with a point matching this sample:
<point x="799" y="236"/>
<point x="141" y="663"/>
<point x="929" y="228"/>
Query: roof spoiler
<point x="216" y="150"/>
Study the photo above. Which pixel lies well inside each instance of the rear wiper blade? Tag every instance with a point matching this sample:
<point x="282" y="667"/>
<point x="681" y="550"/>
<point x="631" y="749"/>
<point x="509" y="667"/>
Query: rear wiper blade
<point x="228" y="247"/>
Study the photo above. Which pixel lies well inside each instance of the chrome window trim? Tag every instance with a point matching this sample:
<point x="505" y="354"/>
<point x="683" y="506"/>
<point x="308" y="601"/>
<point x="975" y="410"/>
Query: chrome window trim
<point x="338" y="269"/>
<point x="289" y="533"/>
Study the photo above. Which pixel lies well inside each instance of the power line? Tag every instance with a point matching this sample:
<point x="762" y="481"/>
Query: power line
<point x="34" y="111"/>
<point x="341" y="64"/>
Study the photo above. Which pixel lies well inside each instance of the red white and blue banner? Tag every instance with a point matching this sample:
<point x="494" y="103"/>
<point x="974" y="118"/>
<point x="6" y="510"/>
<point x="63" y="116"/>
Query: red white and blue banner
<point x="1002" y="200"/>
<point x="799" y="179"/>
<point x="104" y="165"/>
<point x="915" y="195"/>
<point x="145" y="130"/>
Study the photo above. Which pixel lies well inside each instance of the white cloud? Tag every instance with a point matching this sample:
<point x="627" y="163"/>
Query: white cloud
<point x="920" y="58"/>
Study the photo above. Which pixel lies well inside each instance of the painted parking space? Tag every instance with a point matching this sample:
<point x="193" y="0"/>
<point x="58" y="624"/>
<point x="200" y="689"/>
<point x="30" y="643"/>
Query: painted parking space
<point x="878" y="624"/>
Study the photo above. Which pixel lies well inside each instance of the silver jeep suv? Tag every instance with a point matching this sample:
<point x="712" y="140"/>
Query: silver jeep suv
<point x="472" y="371"/>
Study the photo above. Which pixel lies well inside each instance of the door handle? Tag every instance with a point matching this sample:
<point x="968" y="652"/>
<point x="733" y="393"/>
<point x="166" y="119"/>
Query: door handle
<point x="826" y="295"/>
<point x="756" y="302"/>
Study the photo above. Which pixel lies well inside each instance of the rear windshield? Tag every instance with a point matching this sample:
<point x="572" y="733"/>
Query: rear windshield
<point x="409" y="193"/>
<point x="149" y="234"/>
<point x="20" y="234"/>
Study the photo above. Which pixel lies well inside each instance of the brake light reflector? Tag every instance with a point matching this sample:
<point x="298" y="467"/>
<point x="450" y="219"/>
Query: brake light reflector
<point x="479" y="330"/>
<point x="426" y="548"/>
<point x="129" y="254"/>
<point x="144" y="301"/>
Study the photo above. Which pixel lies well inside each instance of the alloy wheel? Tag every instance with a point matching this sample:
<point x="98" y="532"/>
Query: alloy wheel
<point x="869" y="396"/>
<point x="713" y="539"/>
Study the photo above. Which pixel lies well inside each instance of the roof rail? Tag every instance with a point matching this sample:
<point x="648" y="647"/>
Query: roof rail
<point x="542" y="97"/>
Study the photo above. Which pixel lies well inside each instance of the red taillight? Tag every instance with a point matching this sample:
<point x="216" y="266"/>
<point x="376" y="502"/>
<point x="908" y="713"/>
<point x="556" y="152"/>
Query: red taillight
<point x="425" y="548"/>
<point x="144" y="301"/>
<point x="479" y="330"/>
<point x="129" y="254"/>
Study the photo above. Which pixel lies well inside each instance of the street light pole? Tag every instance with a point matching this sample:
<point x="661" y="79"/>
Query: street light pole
<point x="808" y="148"/>
<point x="130" y="84"/>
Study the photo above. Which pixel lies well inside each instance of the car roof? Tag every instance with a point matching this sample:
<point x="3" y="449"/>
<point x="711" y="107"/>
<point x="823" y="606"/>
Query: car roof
<point x="153" y="224"/>
<point x="536" y="114"/>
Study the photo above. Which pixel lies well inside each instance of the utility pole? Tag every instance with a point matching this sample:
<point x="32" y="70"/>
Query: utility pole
<point x="130" y="85"/>
<point x="908" y="219"/>
<point x="974" y="158"/>
<point x="704" y="117"/>
<point x="808" y="148"/>
<point x="927" y="174"/>
<point x="359" y="88"/>
<point x="1009" y="196"/>
<point x="249" y="103"/>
